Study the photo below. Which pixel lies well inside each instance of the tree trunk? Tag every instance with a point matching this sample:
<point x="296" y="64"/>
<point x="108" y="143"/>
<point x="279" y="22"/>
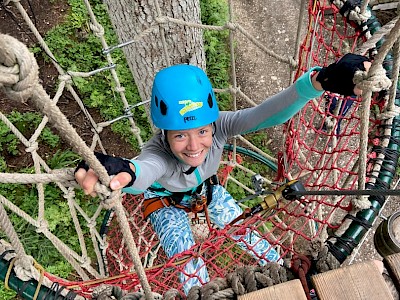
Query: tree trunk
<point x="184" y="44"/>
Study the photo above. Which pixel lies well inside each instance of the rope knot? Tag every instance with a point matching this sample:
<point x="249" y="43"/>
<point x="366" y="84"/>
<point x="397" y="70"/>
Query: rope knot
<point x="97" y="29"/>
<point x="120" y="89"/>
<point x="15" y="55"/>
<point x="104" y="292"/>
<point x="162" y="19"/>
<point x="230" y="25"/>
<point x="65" y="77"/>
<point x="92" y="224"/>
<point x="374" y="81"/>
<point x="110" y="201"/>
<point x="32" y="147"/>
<point x="24" y="268"/>
<point x="135" y="130"/>
<point x="301" y="263"/>
<point x="234" y="91"/>
<point x="361" y="202"/>
<point x="86" y="262"/>
<point x="389" y="113"/>
<point x="292" y="63"/>
<point x="42" y="226"/>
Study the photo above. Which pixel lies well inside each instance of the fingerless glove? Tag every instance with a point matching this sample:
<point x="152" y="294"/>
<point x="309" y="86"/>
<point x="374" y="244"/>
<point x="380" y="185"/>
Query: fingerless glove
<point x="338" y="77"/>
<point x="113" y="165"/>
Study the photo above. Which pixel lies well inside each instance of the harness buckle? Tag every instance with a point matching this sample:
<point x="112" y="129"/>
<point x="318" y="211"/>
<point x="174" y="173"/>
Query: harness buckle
<point x="198" y="203"/>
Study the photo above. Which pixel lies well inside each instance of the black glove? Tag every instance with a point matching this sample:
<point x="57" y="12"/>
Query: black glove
<point x="113" y="165"/>
<point x="338" y="77"/>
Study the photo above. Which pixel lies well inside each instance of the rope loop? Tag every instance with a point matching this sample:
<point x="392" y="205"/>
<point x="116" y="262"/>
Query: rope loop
<point x="6" y="2"/>
<point x="172" y="294"/>
<point x="9" y="74"/>
<point x="15" y="54"/>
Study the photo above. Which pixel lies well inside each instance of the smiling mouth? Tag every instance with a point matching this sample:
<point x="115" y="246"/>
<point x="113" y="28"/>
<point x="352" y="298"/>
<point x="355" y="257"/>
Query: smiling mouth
<point x="194" y="155"/>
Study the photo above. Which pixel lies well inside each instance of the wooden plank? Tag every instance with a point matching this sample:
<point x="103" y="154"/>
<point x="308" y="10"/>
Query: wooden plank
<point x="290" y="290"/>
<point x="392" y="264"/>
<point x="361" y="281"/>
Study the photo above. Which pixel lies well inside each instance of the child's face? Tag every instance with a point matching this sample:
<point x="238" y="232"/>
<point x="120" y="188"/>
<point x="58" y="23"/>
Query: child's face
<point x="191" y="146"/>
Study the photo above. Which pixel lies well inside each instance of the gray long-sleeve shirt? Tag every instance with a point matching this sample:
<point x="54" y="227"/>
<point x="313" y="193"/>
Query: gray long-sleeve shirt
<point x="157" y="166"/>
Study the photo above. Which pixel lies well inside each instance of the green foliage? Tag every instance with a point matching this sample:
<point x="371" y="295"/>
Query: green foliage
<point x="59" y="221"/>
<point x="63" y="159"/>
<point x="260" y="140"/>
<point x="77" y="49"/>
<point x="26" y="123"/>
<point x="6" y="294"/>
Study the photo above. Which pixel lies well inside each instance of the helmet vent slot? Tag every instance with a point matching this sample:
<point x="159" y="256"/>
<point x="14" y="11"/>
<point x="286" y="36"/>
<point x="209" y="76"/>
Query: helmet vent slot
<point x="210" y="101"/>
<point x="163" y="108"/>
<point x="156" y="100"/>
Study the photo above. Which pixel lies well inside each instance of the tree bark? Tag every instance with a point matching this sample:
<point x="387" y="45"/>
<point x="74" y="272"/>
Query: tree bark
<point x="147" y="56"/>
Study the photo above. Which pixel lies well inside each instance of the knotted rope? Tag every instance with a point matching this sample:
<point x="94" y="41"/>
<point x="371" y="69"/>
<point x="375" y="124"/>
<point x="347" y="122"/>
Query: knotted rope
<point x="242" y="281"/>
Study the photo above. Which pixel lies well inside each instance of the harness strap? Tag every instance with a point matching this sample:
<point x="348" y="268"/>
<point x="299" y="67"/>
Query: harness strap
<point x="199" y="202"/>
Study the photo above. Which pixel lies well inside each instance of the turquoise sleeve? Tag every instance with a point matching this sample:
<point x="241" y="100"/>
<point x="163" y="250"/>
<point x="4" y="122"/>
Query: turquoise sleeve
<point x="131" y="190"/>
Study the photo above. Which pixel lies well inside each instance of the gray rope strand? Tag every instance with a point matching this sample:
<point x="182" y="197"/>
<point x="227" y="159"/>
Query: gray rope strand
<point x="63" y="176"/>
<point x="10" y="232"/>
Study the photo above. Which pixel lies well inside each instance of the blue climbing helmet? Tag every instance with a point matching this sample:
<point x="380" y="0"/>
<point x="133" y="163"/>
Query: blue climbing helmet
<point x="182" y="98"/>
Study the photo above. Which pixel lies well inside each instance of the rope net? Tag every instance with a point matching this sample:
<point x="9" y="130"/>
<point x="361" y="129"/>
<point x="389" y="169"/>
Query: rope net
<point x="322" y="150"/>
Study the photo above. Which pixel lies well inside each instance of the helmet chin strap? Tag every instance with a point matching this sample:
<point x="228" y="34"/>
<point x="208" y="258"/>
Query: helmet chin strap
<point x="214" y="127"/>
<point x="189" y="171"/>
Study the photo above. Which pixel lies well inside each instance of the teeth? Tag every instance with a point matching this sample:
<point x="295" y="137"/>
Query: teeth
<point x="193" y="155"/>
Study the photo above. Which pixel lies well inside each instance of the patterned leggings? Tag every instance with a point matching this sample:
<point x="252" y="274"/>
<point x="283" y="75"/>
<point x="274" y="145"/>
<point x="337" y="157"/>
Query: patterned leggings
<point x="172" y="226"/>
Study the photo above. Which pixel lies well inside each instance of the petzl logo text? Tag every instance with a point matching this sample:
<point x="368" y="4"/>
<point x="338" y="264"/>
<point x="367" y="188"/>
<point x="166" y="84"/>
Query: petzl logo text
<point x="189" y="105"/>
<point x="189" y="118"/>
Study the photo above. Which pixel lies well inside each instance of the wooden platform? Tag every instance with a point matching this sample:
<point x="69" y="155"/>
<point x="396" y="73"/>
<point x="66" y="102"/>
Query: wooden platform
<point x="361" y="281"/>
<point x="392" y="264"/>
<point x="290" y="290"/>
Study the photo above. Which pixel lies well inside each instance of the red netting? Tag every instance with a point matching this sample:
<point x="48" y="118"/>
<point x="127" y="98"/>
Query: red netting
<point x="321" y="150"/>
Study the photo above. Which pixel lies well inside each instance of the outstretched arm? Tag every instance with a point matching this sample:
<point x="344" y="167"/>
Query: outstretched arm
<point x="336" y="78"/>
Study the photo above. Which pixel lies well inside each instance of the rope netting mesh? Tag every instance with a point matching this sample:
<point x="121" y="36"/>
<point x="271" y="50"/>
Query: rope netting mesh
<point x="323" y="150"/>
